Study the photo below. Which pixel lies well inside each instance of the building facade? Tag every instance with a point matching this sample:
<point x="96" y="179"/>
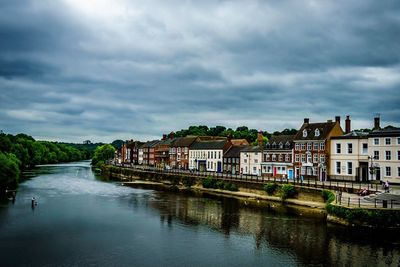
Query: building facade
<point x="207" y="155"/>
<point x="179" y="152"/>
<point x="312" y="148"/>
<point x="250" y="160"/>
<point x="277" y="159"/>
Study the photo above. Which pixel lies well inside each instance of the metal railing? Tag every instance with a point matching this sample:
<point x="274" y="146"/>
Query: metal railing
<point x="366" y="202"/>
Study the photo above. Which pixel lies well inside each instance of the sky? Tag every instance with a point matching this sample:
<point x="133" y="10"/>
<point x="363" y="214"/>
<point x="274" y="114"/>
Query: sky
<point x="72" y="70"/>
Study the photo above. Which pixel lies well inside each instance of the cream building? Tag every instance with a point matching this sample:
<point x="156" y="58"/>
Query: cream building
<point x="250" y="160"/>
<point x="349" y="157"/>
<point x="207" y="155"/>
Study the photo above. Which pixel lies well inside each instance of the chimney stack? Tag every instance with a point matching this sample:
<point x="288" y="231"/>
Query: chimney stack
<point x="260" y="138"/>
<point x="171" y="135"/>
<point x="306" y="120"/>
<point x="348" y="124"/>
<point x="164" y="136"/>
<point x="337" y="119"/>
<point x="377" y="123"/>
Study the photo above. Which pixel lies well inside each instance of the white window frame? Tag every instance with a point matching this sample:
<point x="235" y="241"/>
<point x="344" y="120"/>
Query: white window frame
<point x="350" y="148"/>
<point x="338" y="148"/>
<point x="376" y="141"/>
<point x="338" y="167"/>
<point x="388" y="155"/>
<point x="388" y="171"/>
<point x="350" y="168"/>
<point x="388" y="141"/>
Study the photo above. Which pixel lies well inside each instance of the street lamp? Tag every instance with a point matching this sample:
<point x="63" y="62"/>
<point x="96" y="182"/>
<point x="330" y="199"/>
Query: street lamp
<point x="372" y="169"/>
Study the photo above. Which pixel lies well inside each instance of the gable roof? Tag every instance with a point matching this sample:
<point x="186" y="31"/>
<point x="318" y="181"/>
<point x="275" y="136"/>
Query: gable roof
<point x="281" y="138"/>
<point x="387" y="132"/>
<point x="252" y="149"/>
<point x="239" y="142"/>
<point x="183" y="141"/>
<point x="234" y="152"/>
<point x="209" y="144"/>
<point x="151" y="144"/>
<point x="324" y="129"/>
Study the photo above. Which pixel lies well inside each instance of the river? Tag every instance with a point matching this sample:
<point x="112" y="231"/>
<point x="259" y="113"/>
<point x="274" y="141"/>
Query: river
<point x="81" y="220"/>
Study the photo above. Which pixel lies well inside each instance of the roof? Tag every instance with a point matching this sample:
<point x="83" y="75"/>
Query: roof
<point x="324" y="129"/>
<point x="352" y="135"/>
<point x="239" y="142"/>
<point x="252" y="149"/>
<point x="210" y="144"/>
<point x="150" y="143"/>
<point x="281" y="139"/>
<point x="234" y="152"/>
<point x="183" y="141"/>
<point x="386" y="132"/>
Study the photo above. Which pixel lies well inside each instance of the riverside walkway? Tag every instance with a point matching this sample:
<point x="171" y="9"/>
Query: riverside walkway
<point x="347" y="192"/>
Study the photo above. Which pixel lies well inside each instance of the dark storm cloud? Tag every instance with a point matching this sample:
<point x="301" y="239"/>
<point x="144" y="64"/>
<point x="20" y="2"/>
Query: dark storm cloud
<point x="74" y="70"/>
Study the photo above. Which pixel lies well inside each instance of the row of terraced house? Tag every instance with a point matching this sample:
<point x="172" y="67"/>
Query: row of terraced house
<point x="319" y="150"/>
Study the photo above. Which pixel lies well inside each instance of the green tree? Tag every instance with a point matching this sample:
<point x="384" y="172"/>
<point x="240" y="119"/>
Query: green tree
<point x="9" y="171"/>
<point x="102" y="154"/>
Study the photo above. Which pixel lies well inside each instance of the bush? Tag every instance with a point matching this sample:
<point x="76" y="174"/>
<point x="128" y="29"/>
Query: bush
<point x="288" y="191"/>
<point x="188" y="181"/>
<point x="231" y="187"/>
<point x="270" y="188"/>
<point x="328" y="196"/>
<point x="220" y="184"/>
<point x="209" y="182"/>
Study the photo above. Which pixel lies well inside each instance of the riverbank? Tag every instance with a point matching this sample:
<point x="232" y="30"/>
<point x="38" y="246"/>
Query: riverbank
<point x="310" y="198"/>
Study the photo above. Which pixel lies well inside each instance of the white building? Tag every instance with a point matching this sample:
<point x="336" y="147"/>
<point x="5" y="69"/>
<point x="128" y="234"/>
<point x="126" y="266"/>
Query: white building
<point x="349" y="157"/>
<point x="140" y="155"/>
<point x="250" y="160"/>
<point x="207" y="155"/>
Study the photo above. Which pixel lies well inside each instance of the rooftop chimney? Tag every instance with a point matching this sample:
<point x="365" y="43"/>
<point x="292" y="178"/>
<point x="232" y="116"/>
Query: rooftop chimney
<point x="348" y="124"/>
<point x="260" y="138"/>
<point x="377" y="123"/>
<point x="337" y="119"/>
<point x="306" y="120"/>
<point x="171" y="135"/>
<point x="164" y="137"/>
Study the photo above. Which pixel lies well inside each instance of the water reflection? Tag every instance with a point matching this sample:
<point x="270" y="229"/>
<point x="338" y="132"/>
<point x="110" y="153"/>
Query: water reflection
<point x="308" y="238"/>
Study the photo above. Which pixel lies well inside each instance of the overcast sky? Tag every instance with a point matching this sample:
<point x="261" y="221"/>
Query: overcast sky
<point x="72" y="70"/>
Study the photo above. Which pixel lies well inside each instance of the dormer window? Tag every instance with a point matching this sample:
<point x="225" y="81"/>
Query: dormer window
<point x="280" y="145"/>
<point x="287" y="145"/>
<point x="268" y="146"/>
<point x="304" y="133"/>
<point x="274" y="145"/>
<point x="317" y="132"/>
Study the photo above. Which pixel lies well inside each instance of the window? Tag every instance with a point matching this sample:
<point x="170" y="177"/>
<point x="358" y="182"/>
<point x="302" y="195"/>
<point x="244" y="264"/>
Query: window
<point x="315" y="158"/>
<point x="303" y="170"/>
<point x="219" y="154"/>
<point x="376" y="154"/>
<point x="296" y="158"/>
<point x="338" y="149"/>
<point x="280" y="145"/>
<point x="338" y="167"/>
<point x="297" y="146"/>
<point x="245" y="160"/>
<point x="398" y="171"/>
<point x="280" y="157"/>
<point x="322" y="158"/>
<point x="376" y="141"/>
<point x="309" y="146"/>
<point x="314" y="171"/>
<point x="398" y="140"/>
<point x="388" y="141"/>
<point x="208" y="164"/>
<point x="315" y="146"/>
<point x="316" y="132"/>
<point x="350" y="148"/>
<point x="267" y="156"/>
<point x="273" y="157"/>
<point x="255" y="160"/>
<point x="303" y="158"/>
<point x="365" y="148"/>
<point x="322" y="146"/>
<point x="309" y="157"/>
<point x="304" y="133"/>
<point x="303" y="146"/>
<point x="254" y="169"/>
<point x="273" y="145"/>
<point x="388" y="155"/>
<point x="388" y="171"/>
<point x="287" y="157"/>
<point x="208" y="154"/>
<point x="398" y="154"/>
<point x="349" y="167"/>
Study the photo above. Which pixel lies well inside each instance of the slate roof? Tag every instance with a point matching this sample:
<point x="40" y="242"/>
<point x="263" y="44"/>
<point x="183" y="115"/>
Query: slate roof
<point x="352" y="135"/>
<point x="234" y="152"/>
<point x="252" y="149"/>
<point x="277" y="139"/>
<point x="183" y="141"/>
<point x="387" y="132"/>
<point x="209" y="144"/>
<point x="324" y="128"/>
<point x="239" y="142"/>
<point x="151" y="144"/>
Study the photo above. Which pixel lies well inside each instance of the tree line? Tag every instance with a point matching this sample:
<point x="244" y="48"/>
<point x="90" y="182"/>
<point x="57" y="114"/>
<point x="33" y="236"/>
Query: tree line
<point x="20" y="152"/>
<point x="242" y="132"/>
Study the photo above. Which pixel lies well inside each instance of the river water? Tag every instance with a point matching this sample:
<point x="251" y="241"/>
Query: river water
<point x="83" y="221"/>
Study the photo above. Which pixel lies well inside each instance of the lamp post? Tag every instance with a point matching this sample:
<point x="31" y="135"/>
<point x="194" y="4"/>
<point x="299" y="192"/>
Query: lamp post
<point x="372" y="168"/>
